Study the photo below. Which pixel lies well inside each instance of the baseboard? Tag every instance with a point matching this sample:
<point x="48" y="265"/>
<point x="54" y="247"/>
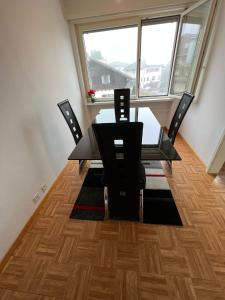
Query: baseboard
<point x="190" y="147"/>
<point x="24" y="229"/>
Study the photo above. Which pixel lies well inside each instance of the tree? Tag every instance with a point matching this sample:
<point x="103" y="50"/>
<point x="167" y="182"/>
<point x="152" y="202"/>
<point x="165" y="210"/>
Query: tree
<point x="96" y="54"/>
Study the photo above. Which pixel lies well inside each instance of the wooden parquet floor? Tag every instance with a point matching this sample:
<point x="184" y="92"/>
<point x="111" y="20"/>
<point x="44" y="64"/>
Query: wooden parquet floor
<point x="59" y="258"/>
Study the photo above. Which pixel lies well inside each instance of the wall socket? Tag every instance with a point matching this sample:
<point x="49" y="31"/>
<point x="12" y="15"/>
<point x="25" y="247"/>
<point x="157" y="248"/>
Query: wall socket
<point x="43" y="187"/>
<point x="36" y="198"/>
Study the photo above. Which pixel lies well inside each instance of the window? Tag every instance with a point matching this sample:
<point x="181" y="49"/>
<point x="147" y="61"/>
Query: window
<point x="189" y="46"/>
<point x="157" y="46"/>
<point x="112" y="51"/>
<point x="153" y="57"/>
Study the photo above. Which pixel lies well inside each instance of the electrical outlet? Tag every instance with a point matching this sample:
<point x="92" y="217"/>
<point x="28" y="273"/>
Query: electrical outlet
<point x="36" y="198"/>
<point x="43" y="188"/>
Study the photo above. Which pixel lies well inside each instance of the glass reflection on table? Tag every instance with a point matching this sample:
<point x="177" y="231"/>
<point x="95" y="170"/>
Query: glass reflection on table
<point x="155" y="142"/>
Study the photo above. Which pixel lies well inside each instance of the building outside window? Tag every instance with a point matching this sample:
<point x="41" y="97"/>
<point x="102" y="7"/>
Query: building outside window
<point x="105" y="79"/>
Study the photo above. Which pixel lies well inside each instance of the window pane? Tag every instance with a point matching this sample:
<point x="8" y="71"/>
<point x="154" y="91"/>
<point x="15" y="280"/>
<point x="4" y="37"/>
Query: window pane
<point x="111" y="57"/>
<point x="193" y="27"/>
<point x="157" y="44"/>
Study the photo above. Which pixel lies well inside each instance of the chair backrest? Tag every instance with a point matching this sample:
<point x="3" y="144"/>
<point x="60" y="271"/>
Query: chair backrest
<point x="179" y="114"/>
<point x="120" y="148"/>
<point x="71" y="120"/>
<point x="122" y="104"/>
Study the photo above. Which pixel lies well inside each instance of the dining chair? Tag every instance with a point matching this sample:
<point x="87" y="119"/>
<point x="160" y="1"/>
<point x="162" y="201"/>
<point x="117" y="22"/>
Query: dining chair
<point x="179" y="115"/>
<point x="122" y="104"/>
<point x="72" y="122"/>
<point x="124" y="175"/>
<point x="177" y="119"/>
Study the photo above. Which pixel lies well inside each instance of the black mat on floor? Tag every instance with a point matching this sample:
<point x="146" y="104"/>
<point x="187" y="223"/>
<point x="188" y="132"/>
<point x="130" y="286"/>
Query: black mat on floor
<point x="159" y="205"/>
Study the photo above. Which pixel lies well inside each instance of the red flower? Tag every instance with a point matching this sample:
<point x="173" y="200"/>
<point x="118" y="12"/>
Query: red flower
<point x="91" y="92"/>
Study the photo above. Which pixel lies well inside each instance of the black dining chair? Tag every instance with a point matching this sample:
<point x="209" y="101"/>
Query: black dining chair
<point x="122" y="104"/>
<point x="124" y="175"/>
<point x="72" y="122"/>
<point x="179" y="115"/>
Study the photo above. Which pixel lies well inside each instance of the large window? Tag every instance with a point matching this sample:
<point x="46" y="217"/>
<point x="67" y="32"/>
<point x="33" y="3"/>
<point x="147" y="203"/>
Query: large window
<point x="153" y="57"/>
<point x="157" y="47"/>
<point x="189" y="46"/>
<point x="111" y="57"/>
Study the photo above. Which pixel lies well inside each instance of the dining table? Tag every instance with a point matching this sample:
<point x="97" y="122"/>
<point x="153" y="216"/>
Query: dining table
<point x="156" y="144"/>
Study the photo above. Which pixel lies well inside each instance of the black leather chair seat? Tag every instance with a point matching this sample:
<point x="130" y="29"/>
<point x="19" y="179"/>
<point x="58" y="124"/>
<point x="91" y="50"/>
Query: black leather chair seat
<point x="141" y="177"/>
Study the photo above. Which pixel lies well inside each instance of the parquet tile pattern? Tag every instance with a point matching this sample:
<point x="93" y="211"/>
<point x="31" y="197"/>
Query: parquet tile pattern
<point x="59" y="258"/>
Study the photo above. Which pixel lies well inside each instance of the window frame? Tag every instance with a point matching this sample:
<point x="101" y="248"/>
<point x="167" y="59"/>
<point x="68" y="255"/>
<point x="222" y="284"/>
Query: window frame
<point x="157" y="21"/>
<point x="78" y="27"/>
<point x="203" y="46"/>
<point x="101" y="26"/>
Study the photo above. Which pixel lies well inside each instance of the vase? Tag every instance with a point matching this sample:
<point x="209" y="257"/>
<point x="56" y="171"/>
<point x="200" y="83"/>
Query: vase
<point x="92" y="97"/>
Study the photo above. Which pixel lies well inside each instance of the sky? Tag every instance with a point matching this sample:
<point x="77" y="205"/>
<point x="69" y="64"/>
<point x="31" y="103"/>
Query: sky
<point x="121" y="44"/>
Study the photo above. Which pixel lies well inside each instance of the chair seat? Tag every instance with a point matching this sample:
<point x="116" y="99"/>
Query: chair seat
<point x="141" y="177"/>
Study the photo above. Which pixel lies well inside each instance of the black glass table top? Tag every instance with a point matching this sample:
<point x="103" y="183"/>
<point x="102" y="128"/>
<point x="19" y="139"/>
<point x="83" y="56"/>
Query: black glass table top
<point x="155" y="142"/>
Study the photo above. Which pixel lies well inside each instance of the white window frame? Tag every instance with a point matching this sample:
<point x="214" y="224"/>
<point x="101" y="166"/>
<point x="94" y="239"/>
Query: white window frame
<point x="195" y="85"/>
<point x="157" y="21"/>
<point x="112" y="24"/>
<point x="78" y="27"/>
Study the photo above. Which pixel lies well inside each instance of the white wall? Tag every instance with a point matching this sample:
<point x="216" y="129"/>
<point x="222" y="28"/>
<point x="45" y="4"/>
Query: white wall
<point x="36" y="71"/>
<point x="74" y="9"/>
<point x="205" y="121"/>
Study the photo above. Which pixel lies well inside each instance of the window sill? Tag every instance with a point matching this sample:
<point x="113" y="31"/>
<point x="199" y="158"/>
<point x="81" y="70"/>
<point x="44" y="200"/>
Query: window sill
<point x="136" y="101"/>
